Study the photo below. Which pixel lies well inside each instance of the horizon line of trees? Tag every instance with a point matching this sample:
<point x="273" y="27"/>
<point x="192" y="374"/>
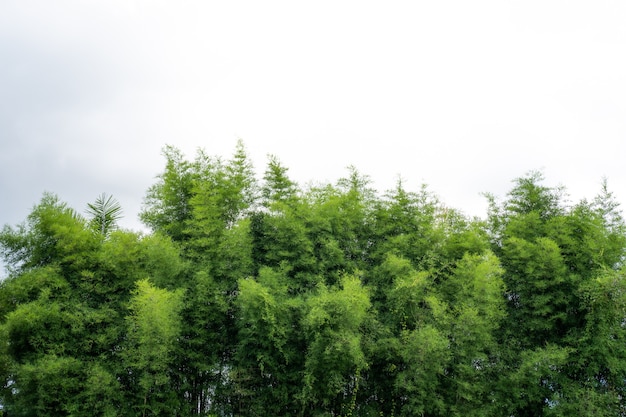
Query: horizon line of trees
<point x="265" y="298"/>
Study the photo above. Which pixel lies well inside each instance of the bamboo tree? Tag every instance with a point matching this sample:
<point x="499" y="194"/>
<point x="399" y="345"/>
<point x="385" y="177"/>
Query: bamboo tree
<point x="153" y="329"/>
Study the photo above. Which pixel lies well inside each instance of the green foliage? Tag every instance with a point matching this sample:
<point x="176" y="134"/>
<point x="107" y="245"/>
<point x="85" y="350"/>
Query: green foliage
<point x="53" y="234"/>
<point x="269" y="344"/>
<point x="48" y="387"/>
<point x="535" y="385"/>
<point x="405" y="224"/>
<point x="334" y="357"/>
<point x="277" y="187"/>
<point x="426" y="355"/>
<point x="555" y="259"/>
<point x="268" y="299"/>
<point x="167" y="203"/>
<point x="62" y="311"/>
<point x="153" y="328"/>
<point x="104" y="212"/>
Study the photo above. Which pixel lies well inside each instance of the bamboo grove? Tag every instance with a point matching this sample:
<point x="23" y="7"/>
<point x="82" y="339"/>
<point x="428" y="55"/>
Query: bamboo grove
<point x="260" y="297"/>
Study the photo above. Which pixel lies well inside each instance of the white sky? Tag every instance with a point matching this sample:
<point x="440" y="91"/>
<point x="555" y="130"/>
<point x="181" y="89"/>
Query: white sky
<point x="461" y="95"/>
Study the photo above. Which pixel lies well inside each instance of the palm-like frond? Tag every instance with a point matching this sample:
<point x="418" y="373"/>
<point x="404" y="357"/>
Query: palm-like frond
<point x="104" y="212"/>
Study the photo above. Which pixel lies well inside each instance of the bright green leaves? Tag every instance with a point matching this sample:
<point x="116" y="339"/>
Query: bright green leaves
<point x="258" y="310"/>
<point x="273" y="300"/>
<point x="158" y="257"/>
<point x="53" y="234"/>
<point x="266" y="316"/>
<point x="277" y="187"/>
<point x="409" y="297"/>
<point x="405" y="224"/>
<point x="298" y="352"/>
<point x="477" y="283"/>
<point x="200" y="202"/>
<point x="538" y="288"/>
<point x="474" y="284"/>
<point x="240" y="188"/>
<point x="530" y="196"/>
<point x="445" y="332"/>
<point x="343" y="308"/>
<point x="49" y="361"/>
<point x="269" y="341"/>
<point x="47" y="387"/>
<point x="334" y="357"/>
<point x="222" y="192"/>
<point x="302" y="350"/>
<point x="425" y="353"/>
<point x="235" y="253"/>
<point x="64" y="386"/>
<point x="154" y="325"/>
<point x="476" y="309"/>
<point x="101" y="395"/>
<point x="43" y="282"/>
<point x="563" y="298"/>
<point x="62" y="311"/>
<point x="167" y="203"/>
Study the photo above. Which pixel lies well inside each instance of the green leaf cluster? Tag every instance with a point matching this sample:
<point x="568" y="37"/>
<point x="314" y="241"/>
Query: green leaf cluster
<point x="260" y="297"/>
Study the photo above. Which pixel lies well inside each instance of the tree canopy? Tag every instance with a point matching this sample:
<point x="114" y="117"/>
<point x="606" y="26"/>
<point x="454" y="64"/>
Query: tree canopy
<point x="256" y="296"/>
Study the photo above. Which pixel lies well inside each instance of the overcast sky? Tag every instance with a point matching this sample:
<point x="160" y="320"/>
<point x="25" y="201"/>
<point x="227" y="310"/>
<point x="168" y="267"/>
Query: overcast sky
<point x="461" y="95"/>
